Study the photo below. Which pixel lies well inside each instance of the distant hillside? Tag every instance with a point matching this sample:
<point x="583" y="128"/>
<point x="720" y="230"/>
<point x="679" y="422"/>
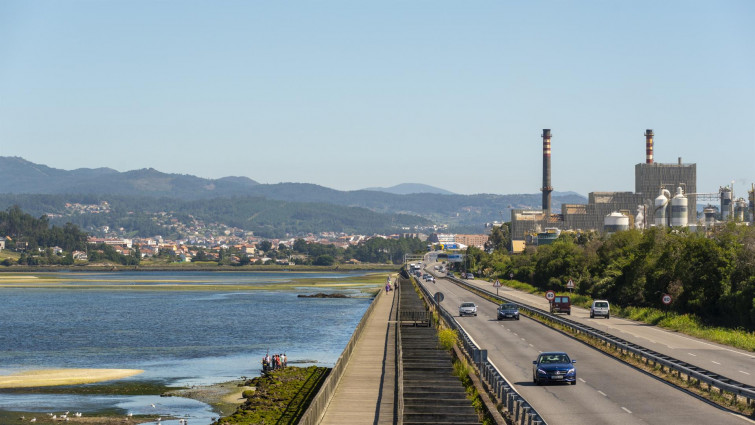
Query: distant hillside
<point x="409" y="188"/>
<point x="18" y="175"/>
<point x="464" y="213"/>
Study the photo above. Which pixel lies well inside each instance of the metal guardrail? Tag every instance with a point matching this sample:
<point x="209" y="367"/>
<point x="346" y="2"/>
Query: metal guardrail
<point x="520" y="410"/>
<point x="699" y="374"/>
<point x="399" y="363"/>
<point x="319" y="404"/>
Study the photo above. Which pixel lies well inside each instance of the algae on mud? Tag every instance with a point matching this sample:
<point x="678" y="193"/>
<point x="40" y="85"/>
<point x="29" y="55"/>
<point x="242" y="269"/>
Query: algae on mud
<point x="280" y="396"/>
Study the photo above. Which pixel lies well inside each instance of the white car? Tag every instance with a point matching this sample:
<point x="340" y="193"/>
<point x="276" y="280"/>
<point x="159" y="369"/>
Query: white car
<point x="600" y="308"/>
<point x="467" y="309"/>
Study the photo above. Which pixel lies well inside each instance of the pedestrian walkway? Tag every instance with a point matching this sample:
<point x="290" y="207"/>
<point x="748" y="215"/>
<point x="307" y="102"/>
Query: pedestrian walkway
<point x="366" y="392"/>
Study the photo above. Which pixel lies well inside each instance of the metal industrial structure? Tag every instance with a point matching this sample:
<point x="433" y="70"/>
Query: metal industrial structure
<point x="651" y="178"/>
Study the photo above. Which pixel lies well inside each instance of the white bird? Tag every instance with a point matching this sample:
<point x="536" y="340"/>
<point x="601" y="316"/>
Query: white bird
<point x="33" y="420"/>
<point x="130" y="414"/>
<point x="153" y="405"/>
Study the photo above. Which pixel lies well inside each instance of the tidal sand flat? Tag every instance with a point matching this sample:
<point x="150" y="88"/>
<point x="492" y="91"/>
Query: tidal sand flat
<point x="54" y="377"/>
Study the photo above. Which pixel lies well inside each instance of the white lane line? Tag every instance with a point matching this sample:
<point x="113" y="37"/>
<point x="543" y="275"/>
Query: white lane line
<point x="602" y="393"/>
<point x="532" y="346"/>
<point x="693" y="355"/>
<point x="626" y="410"/>
<point x="742" y="417"/>
<point x="742" y="371"/>
<point x="515" y="333"/>
<point x="715" y="362"/>
<point x="581" y="379"/>
<point x="523" y="339"/>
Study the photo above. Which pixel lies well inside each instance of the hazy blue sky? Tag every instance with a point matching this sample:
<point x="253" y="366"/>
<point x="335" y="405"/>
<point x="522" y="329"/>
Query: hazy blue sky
<point x="352" y="94"/>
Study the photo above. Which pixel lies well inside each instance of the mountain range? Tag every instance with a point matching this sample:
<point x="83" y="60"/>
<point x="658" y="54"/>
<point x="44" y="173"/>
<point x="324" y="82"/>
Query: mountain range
<point x="460" y="212"/>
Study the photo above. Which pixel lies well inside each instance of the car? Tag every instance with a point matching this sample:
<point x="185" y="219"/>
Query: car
<point x="469" y="276"/>
<point x="554" y="366"/>
<point x="600" y="308"/>
<point x="508" y="311"/>
<point x="468" y="309"/>
<point x="450" y="274"/>
<point x="561" y="304"/>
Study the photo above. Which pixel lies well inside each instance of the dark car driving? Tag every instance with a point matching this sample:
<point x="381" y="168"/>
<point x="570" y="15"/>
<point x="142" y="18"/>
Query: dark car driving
<point x="554" y="366"/>
<point x="508" y="311"/>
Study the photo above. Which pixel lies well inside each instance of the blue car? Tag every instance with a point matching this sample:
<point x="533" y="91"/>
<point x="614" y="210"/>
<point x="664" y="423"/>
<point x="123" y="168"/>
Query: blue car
<point x="554" y="366"/>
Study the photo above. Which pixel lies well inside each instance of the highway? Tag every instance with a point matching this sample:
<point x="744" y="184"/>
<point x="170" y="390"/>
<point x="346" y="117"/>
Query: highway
<point x="723" y="360"/>
<point x="607" y="392"/>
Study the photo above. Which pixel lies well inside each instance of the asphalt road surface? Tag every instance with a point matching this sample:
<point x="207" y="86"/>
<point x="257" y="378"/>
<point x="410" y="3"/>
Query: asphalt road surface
<point x="607" y="391"/>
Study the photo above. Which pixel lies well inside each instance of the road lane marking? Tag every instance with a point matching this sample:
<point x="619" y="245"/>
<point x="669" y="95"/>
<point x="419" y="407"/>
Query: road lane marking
<point x="742" y="371"/>
<point x="742" y="417"/>
<point x="693" y="355"/>
<point x="715" y="362"/>
<point x="523" y="339"/>
<point x="602" y="393"/>
<point x="626" y="410"/>
<point x="532" y="346"/>
<point x="582" y="380"/>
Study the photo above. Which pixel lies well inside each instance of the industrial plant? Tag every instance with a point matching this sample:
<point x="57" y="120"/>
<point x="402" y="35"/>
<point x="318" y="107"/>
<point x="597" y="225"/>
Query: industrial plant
<point x="664" y="195"/>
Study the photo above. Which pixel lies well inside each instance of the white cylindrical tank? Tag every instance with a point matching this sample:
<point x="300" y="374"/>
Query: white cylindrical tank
<point x="710" y="215"/>
<point x="660" y="208"/>
<point x="615" y="222"/>
<point x="679" y="209"/>
<point x="725" y="202"/>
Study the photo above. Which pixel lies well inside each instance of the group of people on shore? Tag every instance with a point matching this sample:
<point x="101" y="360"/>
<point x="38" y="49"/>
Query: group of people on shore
<point x="276" y="361"/>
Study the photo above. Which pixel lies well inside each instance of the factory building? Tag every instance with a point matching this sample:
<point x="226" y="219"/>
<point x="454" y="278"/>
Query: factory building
<point x="651" y="179"/>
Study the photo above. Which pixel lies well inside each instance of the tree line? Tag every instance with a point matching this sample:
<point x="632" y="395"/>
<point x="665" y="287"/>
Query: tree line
<point x="711" y="276"/>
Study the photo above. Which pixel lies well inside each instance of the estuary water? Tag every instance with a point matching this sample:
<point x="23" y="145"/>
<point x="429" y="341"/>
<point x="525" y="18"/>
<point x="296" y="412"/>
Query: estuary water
<point x="201" y="328"/>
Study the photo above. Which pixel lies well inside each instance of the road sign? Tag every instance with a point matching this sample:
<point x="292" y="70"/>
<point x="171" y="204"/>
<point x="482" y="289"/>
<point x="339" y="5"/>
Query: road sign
<point x="497" y="284"/>
<point x="570" y="284"/>
<point x="438" y="297"/>
<point x="666" y="298"/>
<point x="550" y="295"/>
<point x="511" y="275"/>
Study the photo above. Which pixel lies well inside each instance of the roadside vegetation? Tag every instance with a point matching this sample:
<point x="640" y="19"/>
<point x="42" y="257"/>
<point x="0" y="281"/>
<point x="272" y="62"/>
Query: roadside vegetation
<point x="710" y="278"/>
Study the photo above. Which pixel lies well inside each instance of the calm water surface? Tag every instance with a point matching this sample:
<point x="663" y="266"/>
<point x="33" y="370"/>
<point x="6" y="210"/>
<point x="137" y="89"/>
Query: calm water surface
<point x="180" y="338"/>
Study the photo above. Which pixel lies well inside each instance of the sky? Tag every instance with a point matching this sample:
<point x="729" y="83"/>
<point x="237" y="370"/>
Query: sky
<point x="355" y="94"/>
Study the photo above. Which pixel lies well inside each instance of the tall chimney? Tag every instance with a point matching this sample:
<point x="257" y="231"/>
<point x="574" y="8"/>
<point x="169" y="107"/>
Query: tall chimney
<point x="547" y="189"/>
<point x="648" y="146"/>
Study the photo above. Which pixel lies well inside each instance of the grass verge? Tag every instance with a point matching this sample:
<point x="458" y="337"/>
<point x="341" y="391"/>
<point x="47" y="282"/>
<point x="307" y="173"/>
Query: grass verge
<point x="685" y="323"/>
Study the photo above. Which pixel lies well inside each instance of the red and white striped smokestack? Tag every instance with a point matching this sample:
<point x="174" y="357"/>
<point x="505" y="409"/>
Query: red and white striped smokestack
<point x="547" y="189"/>
<point x="648" y="146"/>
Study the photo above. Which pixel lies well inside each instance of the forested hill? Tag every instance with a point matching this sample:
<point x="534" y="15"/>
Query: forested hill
<point x="466" y="213"/>
<point x="18" y="175"/>
<point x="147" y="216"/>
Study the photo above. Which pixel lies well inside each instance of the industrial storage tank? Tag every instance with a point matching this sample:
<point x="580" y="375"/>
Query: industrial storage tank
<point x="740" y="206"/>
<point x="660" y="208"/>
<point x="615" y="222"/>
<point x="726" y="196"/>
<point x="679" y="209"/>
<point x="710" y="215"/>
